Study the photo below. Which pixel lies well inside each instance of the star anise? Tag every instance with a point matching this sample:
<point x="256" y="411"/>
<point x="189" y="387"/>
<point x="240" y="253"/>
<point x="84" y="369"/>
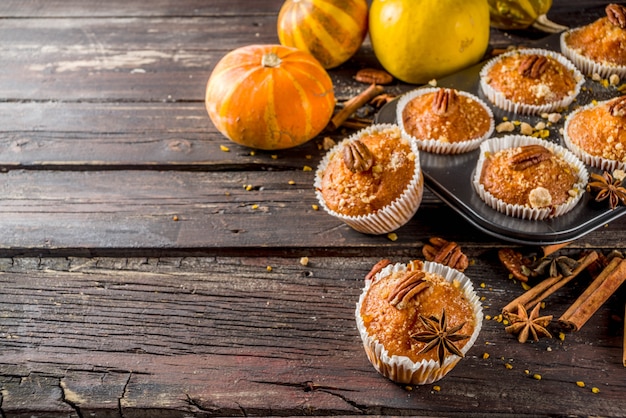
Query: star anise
<point x="525" y="325"/>
<point x="438" y="335"/>
<point x="608" y="187"/>
<point x="562" y="265"/>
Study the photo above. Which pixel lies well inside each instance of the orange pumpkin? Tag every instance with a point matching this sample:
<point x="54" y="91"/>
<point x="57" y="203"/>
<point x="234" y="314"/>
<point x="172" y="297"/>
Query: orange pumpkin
<point x="330" y="30"/>
<point x="269" y="96"/>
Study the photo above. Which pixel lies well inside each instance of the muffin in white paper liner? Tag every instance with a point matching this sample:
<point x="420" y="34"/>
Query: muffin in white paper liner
<point x="494" y="145"/>
<point x="586" y="65"/>
<point x="402" y="369"/>
<point x="500" y="100"/>
<point x="432" y="144"/>
<point x="587" y="158"/>
<point x="390" y="217"/>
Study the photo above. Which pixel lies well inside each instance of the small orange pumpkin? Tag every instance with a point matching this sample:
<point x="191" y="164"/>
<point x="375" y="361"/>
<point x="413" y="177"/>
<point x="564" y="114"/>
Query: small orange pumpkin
<point x="330" y="30"/>
<point x="269" y="97"/>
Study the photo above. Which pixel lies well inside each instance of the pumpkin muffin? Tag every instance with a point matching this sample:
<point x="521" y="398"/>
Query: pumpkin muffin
<point x="599" y="47"/>
<point x="596" y="134"/>
<point x="400" y="314"/>
<point x="371" y="180"/>
<point x="444" y="120"/>
<point x="529" y="178"/>
<point x="531" y="81"/>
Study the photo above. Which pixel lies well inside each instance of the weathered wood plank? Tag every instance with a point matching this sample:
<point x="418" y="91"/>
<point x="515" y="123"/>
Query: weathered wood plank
<point x="185" y="343"/>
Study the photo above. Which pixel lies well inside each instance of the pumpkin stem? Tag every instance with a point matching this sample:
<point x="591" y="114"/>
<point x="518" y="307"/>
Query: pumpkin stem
<point x="270" y="60"/>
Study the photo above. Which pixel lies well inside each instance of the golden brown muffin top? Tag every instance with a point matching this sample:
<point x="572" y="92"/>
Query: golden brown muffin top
<point x="601" y="130"/>
<point x="393" y="327"/>
<point x="531" y="79"/>
<point x="445" y="116"/>
<point x="601" y="41"/>
<point x="355" y="193"/>
<point x="531" y="176"/>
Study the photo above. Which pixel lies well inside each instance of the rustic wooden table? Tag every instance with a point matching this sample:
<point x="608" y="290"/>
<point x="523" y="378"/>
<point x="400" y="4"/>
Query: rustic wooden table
<point x="135" y="273"/>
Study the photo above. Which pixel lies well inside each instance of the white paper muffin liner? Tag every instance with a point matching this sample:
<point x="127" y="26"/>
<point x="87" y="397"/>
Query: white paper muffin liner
<point x="494" y="145"/>
<point x="591" y="160"/>
<point x="433" y="145"/>
<point x="392" y="216"/>
<point x="586" y="65"/>
<point x="499" y="99"/>
<point x="401" y="369"/>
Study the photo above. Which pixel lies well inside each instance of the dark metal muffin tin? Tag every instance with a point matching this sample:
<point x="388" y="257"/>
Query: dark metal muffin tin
<point x="450" y="176"/>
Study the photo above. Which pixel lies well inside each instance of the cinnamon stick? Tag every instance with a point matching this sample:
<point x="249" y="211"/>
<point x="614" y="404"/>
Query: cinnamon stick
<point x="352" y="105"/>
<point x="548" y="286"/>
<point x="602" y="287"/>
<point x="552" y="248"/>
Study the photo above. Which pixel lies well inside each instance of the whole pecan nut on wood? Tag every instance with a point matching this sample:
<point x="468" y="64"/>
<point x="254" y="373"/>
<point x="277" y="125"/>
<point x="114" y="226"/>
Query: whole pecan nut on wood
<point x="514" y="263"/>
<point x="445" y="252"/>
<point x="616" y="14"/>
<point x="532" y="66"/>
<point x="373" y="76"/>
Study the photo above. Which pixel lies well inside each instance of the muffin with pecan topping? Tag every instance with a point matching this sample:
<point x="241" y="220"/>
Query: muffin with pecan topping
<point x="444" y="120"/>
<point x="417" y="320"/>
<point x="596" y="133"/>
<point x="531" y="81"/>
<point x="599" y="47"/>
<point x="529" y="178"/>
<point x="371" y="180"/>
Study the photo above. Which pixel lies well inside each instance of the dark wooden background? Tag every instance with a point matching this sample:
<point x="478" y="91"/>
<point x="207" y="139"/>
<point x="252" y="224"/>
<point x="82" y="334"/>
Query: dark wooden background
<point x="134" y="274"/>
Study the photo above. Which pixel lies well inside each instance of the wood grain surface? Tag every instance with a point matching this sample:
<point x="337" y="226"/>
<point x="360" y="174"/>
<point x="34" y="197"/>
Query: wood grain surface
<point x="146" y="272"/>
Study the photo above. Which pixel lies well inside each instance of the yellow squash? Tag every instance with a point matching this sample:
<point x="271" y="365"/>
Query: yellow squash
<point x="418" y="40"/>
<point x="516" y="14"/>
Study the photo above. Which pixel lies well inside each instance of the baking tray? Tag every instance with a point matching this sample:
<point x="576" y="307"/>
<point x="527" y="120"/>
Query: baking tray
<point x="450" y="176"/>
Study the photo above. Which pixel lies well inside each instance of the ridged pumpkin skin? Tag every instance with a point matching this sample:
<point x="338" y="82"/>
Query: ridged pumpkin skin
<point x="269" y="97"/>
<point x="330" y="30"/>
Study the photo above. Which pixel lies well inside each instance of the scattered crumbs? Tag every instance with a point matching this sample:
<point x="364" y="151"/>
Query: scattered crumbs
<point x="594" y="101"/>
<point x="526" y="128"/>
<point x="175" y="218"/>
<point x="268" y="268"/>
<point x="274" y="157"/>
<point x="255" y="206"/>
<point x="498" y="318"/>
<point x="622" y="88"/>
<point x="508" y="366"/>
<point x="486" y="307"/>
<point x="562" y="336"/>
<point x="433" y="83"/>
<point x="248" y="187"/>
<point x="304" y="261"/>
<point x="315" y="207"/>
<point x="328" y="143"/>
<point x="505" y="322"/>
<point x="485" y="356"/>
<point x="483" y="285"/>
<point x="409" y="388"/>
<point x="505" y="127"/>
<point x="506" y="118"/>
<point x="549" y="349"/>
<point x="226" y="193"/>
<point x="595" y="390"/>
<point x="488" y="317"/>
<point x="307" y="168"/>
<point x="543" y="305"/>
<point x="224" y="148"/>
<point x="525" y="286"/>
<point x="554" y="117"/>
<point x="291" y="182"/>
<point x="526" y="371"/>
<point x="537" y="376"/>
<point x="596" y="77"/>
<point x="436" y="388"/>
<point x="308" y="156"/>
<point x="252" y="153"/>
<point x="580" y="384"/>
<point x="517" y="122"/>
<point x="392" y="236"/>
<point x="482" y="298"/>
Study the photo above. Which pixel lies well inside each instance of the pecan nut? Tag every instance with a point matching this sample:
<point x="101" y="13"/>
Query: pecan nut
<point x="447" y="253"/>
<point x="616" y="14"/>
<point x="377" y="268"/>
<point x="528" y="156"/>
<point x="617" y="107"/>
<point x="373" y="76"/>
<point x="532" y="66"/>
<point x="357" y="156"/>
<point x="445" y="101"/>
<point x="514" y="263"/>
<point x="407" y="287"/>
